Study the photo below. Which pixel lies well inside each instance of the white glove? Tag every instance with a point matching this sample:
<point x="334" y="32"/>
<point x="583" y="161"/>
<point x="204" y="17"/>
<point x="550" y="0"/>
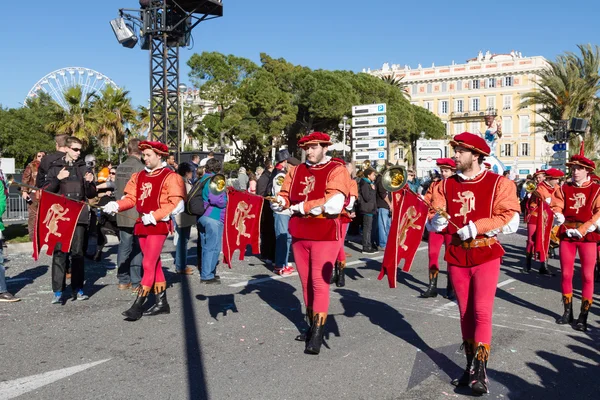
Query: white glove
<point x="351" y="203"/>
<point x="111" y="208"/>
<point x="429" y="227"/>
<point x="513" y="225"/>
<point x="467" y="232"/>
<point x="493" y="232"/>
<point x="548" y="200"/>
<point x="439" y="222"/>
<point x="148" y="219"/>
<point x="592" y="228"/>
<point x="316" y="211"/>
<point x="559" y="219"/>
<point x="298" y="208"/>
<point x="179" y="208"/>
<point x="278" y="205"/>
<point x="574" y="233"/>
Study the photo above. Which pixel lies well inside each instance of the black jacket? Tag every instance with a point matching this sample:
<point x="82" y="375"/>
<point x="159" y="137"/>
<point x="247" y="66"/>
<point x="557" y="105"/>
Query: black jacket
<point x="124" y="172"/>
<point x="74" y="187"/>
<point x="45" y="165"/>
<point x="262" y="184"/>
<point x="382" y="194"/>
<point x="367" y="198"/>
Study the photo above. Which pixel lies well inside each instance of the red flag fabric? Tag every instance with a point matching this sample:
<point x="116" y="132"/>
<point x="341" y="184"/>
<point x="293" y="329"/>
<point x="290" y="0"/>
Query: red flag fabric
<point x="406" y="231"/>
<point x="242" y="224"/>
<point x="543" y="229"/>
<point x="55" y="222"/>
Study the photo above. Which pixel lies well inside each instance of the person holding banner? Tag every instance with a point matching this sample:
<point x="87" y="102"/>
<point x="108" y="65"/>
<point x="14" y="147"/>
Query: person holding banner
<point x="576" y="205"/>
<point x="436" y="239"/>
<point x="156" y="192"/>
<point x="480" y="204"/>
<point x="315" y="192"/>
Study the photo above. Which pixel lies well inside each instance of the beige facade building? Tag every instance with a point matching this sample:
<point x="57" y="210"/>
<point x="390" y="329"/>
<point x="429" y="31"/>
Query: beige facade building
<point x="485" y="88"/>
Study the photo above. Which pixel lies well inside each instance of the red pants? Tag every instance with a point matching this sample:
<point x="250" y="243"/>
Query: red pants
<point x="342" y="253"/>
<point x="151" y="247"/>
<point x="475" y="291"/>
<point x="587" y="256"/>
<point x="314" y="262"/>
<point x="435" y="246"/>
<point x="531" y="228"/>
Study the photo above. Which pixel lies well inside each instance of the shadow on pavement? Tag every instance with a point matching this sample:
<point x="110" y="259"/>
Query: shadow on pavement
<point x="219" y="304"/>
<point x="19" y="281"/>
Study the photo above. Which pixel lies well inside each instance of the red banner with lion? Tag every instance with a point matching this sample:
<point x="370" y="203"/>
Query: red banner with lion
<point x="543" y="229"/>
<point x="55" y="223"/>
<point x="406" y="231"/>
<point x="242" y="224"/>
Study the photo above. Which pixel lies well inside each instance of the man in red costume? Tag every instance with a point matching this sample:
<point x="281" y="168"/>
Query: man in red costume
<point x="576" y="205"/>
<point x="480" y="204"/>
<point x="436" y="239"/>
<point x="315" y="192"/>
<point x="547" y="182"/>
<point x="156" y="192"/>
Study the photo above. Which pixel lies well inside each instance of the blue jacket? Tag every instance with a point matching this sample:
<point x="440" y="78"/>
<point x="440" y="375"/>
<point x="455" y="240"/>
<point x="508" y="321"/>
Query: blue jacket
<point x="214" y="205"/>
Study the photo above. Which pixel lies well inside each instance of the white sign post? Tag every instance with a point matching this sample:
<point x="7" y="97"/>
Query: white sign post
<point x="369" y="132"/>
<point x="428" y="151"/>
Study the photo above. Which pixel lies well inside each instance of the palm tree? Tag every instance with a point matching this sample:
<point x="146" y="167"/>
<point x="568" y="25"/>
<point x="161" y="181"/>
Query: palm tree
<point x="113" y="111"/>
<point x="397" y="82"/>
<point x="76" y="119"/>
<point x="142" y="122"/>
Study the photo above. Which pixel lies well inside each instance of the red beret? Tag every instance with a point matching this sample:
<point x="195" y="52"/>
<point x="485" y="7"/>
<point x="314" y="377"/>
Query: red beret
<point x="159" y="148"/>
<point x="446" y="162"/>
<point x="554" y="173"/>
<point x="539" y="171"/>
<point x="581" y="161"/>
<point x="471" y="142"/>
<point x="315" y="138"/>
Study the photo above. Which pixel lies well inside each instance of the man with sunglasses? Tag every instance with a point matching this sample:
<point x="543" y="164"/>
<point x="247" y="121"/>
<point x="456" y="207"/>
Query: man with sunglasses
<point x="29" y="178"/>
<point x="69" y="176"/>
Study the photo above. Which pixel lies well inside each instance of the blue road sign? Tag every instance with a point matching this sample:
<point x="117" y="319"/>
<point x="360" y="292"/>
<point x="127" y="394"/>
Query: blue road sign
<point x="381" y="155"/>
<point x="559" y="147"/>
<point x="381" y="131"/>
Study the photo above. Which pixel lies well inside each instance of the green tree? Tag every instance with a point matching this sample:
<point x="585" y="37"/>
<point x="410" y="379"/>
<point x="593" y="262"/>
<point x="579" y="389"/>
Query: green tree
<point x="77" y="119"/>
<point x="113" y="112"/>
<point x="398" y="83"/>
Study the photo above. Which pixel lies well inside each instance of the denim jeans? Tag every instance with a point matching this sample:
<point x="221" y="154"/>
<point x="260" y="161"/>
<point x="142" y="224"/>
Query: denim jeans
<point x="129" y="258"/>
<point x="2" y="271"/>
<point x="211" y="235"/>
<point x="383" y="223"/>
<point x="283" y="239"/>
<point x="181" y="249"/>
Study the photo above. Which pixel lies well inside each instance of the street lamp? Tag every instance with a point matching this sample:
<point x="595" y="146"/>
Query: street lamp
<point x="342" y="127"/>
<point x="182" y="89"/>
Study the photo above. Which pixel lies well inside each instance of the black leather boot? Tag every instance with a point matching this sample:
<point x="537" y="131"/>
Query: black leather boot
<point x="432" y="288"/>
<point x="313" y="346"/>
<point x="527" y="268"/>
<point x="567" y="316"/>
<point x="135" y="311"/>
<point x="479" y="380"/>
<point x="334" y="274"/>
<point x="466" y="376"/>
<point x="581" y="323"/>
<point x="341" y="280"/>
<point x="544" y="269"/>
<point x="161" y="306"/>
<point x="304" y="336"/>
<point x="98" y="255"/>
<point x="450" y="295"/>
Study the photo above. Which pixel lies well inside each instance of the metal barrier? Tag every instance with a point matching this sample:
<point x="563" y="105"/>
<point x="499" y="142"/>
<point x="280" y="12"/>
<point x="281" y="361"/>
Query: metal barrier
<point x="16" y="208"/>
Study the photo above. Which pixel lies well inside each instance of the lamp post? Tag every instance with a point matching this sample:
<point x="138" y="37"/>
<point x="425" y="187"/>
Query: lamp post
<point x="342" y="127"/>
<point x="183" y="97"/>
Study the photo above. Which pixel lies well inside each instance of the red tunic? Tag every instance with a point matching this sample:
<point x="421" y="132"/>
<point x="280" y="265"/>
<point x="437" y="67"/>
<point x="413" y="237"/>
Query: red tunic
<point x="543" y="192"/>
<point x="578" y="209"/>
<point x="466" y="201"/>
<point x="309" y="183"/>
<point x="149" y="188"/>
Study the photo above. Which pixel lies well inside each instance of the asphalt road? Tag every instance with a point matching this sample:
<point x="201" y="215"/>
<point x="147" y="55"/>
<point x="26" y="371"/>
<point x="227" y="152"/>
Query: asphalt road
<point x="236" y="340"/>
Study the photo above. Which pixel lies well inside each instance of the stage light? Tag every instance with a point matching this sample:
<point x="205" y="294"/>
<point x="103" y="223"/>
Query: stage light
<point x="123" y="32"/>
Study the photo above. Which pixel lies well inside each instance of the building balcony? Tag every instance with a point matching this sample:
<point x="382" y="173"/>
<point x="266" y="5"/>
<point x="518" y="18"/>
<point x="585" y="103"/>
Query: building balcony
<point x="473" y="114"/>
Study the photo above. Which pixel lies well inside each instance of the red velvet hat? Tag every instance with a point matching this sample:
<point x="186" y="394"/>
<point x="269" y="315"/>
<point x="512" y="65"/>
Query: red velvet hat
<point x="581" y="160"/>
<point x="315" y="138"/>
<point x="471" y="142"/>
<point x="159" y="148"/>
<point x="554" y="173"/>
<point x="446" y="163"/>
<point x="539" y="171"/>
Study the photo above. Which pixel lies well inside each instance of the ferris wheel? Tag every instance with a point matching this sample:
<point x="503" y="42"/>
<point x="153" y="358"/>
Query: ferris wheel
<point x="55" y="83"/>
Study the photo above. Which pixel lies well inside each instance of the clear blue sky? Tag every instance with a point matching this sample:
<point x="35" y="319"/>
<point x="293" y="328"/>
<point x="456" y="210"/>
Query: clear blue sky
<point x="41" y="36"/>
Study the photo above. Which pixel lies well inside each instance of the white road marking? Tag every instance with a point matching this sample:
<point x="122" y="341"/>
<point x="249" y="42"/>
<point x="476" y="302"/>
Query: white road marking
<point x="448" y="306"/>
<point x="506" y="282"/>
<point x="20" y="386"/>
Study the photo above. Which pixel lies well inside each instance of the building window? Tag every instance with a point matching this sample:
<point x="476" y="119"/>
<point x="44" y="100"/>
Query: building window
<point x="475" y="84"/>
<point x="415" y="88"/>
<point x="444" y="86"/>
<point x="429" y="88"/>
<point x="428" y="105"/>
<point x="525" y="149"/>
<point x="491" y="82"/>
<point x="458" y="86"/>
<point x="400" y="154"/>
<point x="458" y="128"/>
<point x="491" y="102"/>
<point x="507" y="102"/>
<point x="475" y="104"/>
<point x="507" y="150"/>
<point x="474" y="127"/>
<point x="444" y="107"/>
<point x="524" y="122"/>
<point x="459" y="106"/>
<point x="508" y="81"/>
<point x="507" y="125"/>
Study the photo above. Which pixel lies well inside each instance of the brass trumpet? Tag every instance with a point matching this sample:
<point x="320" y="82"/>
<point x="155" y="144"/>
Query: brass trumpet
<point x="530" y="186"/>
<point x="394" y="178"/>
<point x="217" y="184"/>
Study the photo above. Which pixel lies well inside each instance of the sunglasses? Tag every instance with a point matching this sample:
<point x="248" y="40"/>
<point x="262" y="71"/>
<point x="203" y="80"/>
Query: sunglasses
<point x="113" y="173"/>
<point x="76" y="149"/>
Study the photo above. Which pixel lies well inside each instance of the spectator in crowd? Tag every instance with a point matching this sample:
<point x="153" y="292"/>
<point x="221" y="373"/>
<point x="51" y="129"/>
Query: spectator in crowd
<point x="204" y="160"/>
<point x="129" y="255"/>
<point x="242" y="179"/>
<point x="251" y="183"/>
<point x="105" y="224"/>
<point x="195" y="164"/>
<point x="384" y="212"/>
<point x="183" y="224"/>
<point x="5" y="296"/>
<point x="267" y="221"/>
<point x="211" y="225"/>
<point x="259" y="171"/>
<point x="413" y="182"/>
<point x="29" y="178"/>
<point x="48" y="160"/>
<point x="171" y="164"/>
<point x="70" y="177"/>
<point x="368" y="208"/>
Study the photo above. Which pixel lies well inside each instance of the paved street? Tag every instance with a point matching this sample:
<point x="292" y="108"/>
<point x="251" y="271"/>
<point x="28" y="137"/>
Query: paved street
<point x="236" y="340"/>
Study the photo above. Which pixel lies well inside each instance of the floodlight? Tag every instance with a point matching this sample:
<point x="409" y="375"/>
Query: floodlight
<point x="123" y="32"/>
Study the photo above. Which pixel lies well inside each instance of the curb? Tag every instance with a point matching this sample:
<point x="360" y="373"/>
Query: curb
<point x="27" y="247"/>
